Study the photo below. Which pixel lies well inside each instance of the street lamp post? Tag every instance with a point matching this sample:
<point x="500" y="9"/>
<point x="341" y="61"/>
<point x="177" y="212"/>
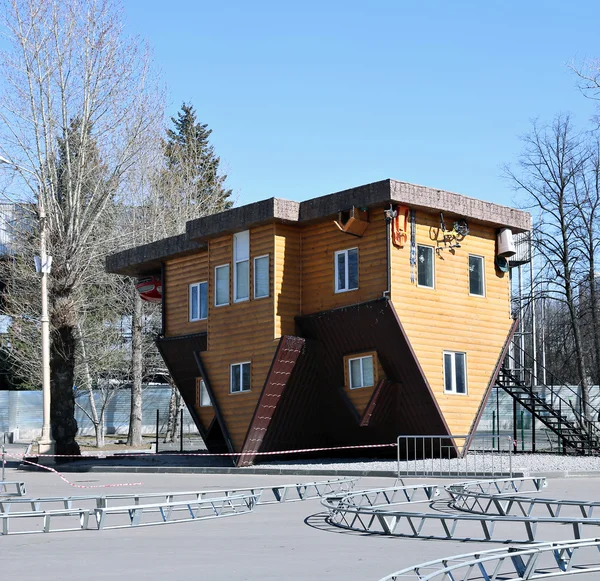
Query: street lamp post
<point x="43" y="264"/>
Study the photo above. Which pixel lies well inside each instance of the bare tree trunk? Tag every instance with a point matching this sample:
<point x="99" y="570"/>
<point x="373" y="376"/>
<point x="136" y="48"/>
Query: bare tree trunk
<point x="98" y="422"/>
<point x="174" y="415"/>
<point x="62" y="366"/>
<point x="134" y="437"/>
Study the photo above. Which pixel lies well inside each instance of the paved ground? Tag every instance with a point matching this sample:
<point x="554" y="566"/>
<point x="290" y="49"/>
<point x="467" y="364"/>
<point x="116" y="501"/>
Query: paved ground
<point x="277" y="542"/>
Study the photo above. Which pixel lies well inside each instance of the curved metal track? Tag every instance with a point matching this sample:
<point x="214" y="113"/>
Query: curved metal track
<point x="360" y="512"/>
<point x="90" y="512"/>
<point x="539" y="561"/>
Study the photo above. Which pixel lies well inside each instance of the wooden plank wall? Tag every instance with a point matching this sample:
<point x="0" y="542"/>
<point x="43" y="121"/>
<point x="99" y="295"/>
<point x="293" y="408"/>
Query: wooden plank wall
<point x="238" y="333"/>
<point x="179" y="274"/>
<point x="320" y="241"/>
<point x="288" y="281"/>
<point x="447" y="318"/>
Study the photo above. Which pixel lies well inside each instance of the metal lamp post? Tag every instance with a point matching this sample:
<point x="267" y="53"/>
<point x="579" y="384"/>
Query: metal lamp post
<point x="43" y="264"/>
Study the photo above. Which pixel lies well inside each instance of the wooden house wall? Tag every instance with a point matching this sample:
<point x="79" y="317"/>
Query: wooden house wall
<point x="179" y="274"/>
<point x="320" y="241"/>
<point x="239" y="332"/>
<point x="448" y="318"/>
<point x="288" y="282"/>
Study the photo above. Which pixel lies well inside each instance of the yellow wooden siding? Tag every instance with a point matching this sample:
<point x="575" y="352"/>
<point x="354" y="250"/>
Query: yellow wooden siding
<point x="179" y="274"/>
<point x="205" y="413"/>
<point x="447" y="318"/>
<point x="238" y="333"/>
<point x="360" y="396"/>
<point x="287" y="283"/>
<point x="320" y="241"/>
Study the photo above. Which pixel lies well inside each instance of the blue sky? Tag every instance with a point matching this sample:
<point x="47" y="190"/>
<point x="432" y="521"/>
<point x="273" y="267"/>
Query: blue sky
<point x="310" y="98"/>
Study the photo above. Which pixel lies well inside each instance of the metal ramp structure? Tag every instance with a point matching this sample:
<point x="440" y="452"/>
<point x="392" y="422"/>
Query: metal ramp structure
<point x="23" y="515"/>
<point x="551" y="403"/>
<point x="523" y="374"/>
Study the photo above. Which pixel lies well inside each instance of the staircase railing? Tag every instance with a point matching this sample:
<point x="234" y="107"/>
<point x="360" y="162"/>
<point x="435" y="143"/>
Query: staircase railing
<point x="514" y="369"/>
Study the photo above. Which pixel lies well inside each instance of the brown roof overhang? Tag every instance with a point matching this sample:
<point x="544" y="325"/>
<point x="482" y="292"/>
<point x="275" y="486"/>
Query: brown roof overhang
<point x="147" y="259"/>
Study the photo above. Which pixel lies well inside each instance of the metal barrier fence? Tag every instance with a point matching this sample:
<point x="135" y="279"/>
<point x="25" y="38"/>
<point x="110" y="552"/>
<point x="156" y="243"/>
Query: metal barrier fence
<point x="442" y="456"/>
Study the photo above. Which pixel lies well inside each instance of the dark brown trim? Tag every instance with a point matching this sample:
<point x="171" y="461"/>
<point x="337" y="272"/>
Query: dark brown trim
<point x="215" y="403"/>
<point x="163" y="301"/>
<point x="282" y="365"/>
<point x="371" y="404"/>
<point x="488" y="391"/>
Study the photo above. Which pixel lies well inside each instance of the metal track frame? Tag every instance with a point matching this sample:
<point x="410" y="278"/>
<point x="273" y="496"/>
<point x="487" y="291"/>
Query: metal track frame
<point x="153" y="508"/>
<point x="19" y="488"/>
<point x="508" y="564"/>
<point x="358" y="512"/>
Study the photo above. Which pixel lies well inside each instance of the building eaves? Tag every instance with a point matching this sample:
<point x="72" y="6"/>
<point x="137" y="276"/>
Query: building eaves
<point x="147" y="259"/>
<point x="243" y="217"/>
<point x="457" y="205"/>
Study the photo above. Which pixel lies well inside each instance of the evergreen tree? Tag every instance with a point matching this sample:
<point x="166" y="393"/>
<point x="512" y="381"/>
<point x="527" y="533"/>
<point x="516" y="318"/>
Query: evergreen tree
<point x="192" y="167"/>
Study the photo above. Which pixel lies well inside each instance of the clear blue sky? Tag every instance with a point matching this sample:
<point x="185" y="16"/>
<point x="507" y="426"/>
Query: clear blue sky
<point x="308" y="98"/>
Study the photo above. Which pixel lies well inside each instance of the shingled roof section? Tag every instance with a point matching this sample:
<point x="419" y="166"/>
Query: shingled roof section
<point x="146" y="259"/>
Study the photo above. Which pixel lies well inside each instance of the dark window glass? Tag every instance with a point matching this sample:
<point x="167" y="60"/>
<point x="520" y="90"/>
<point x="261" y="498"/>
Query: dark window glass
<point x="425" y="266"/>
<point x="476" y="275"/>
<point x="353" y="269"/>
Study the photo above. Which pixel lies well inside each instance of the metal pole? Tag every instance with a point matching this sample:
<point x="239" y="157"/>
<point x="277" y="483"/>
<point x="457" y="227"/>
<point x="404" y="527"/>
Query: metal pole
<point x="515" y="425"/>
<point x="493" y="430"/>
<point x="533" y="316"/>
<point x="522" y="431"/>
<point x="498" y="414"/>
<point x="157" y="428"/>
<point x="46" y="444"/>
<point x="181" y="431"/>
<point x="3" y="463"/>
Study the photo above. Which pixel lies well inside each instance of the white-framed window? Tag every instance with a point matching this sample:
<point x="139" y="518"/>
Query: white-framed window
<point x="221" y="285"/>
<point x="198" y="301"/>
<point x="425" y="274"/>
<point x="241" y="266"/>
<point x="360" y="371"/>
<point x="203" y="396"/>
<point x="261" y="277"/>
<point x="346" y="270"/>
<point x="239" y="377"/>
<point x="455" y="372"/>
<point x="476" y="276"/>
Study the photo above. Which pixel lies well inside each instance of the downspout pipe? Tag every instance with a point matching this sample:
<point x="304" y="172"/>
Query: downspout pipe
<point x="390" y="214"/>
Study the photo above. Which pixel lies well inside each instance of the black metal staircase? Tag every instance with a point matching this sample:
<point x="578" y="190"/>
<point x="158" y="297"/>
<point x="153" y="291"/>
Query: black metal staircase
<point x="552" y="404"/>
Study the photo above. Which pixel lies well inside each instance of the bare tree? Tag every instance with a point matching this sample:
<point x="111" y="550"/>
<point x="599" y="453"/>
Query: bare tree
<point x="550" y="174"/>
<point x="77" y="111"/>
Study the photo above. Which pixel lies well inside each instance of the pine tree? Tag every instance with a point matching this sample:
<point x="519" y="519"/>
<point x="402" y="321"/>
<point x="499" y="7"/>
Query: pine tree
<point x="192" y="165"/>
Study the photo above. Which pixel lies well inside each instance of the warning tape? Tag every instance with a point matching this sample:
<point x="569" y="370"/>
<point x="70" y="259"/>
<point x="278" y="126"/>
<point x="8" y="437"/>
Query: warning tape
<point x="62" y="477"/>
<point x="226" y="454"/>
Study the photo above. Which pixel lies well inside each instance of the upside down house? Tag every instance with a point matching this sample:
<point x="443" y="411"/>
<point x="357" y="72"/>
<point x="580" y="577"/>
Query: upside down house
<point x="347" y="319"/>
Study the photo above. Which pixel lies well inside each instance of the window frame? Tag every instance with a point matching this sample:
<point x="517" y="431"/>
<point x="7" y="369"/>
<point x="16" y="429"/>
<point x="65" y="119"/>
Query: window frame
<point x="348" y="368"/>
<point x="267" y="256"/>
<point x="200" y="383"/>
<point x="346" y="278"/>
<point x="453" y="390"/>
<point x="241" y="390"/>
<point x="482" y="258"/>
<point x="237" y="261"/>
<point x="228" y="285"/>
<point x="432" y="250"/>
<point x="200" y="318"/>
